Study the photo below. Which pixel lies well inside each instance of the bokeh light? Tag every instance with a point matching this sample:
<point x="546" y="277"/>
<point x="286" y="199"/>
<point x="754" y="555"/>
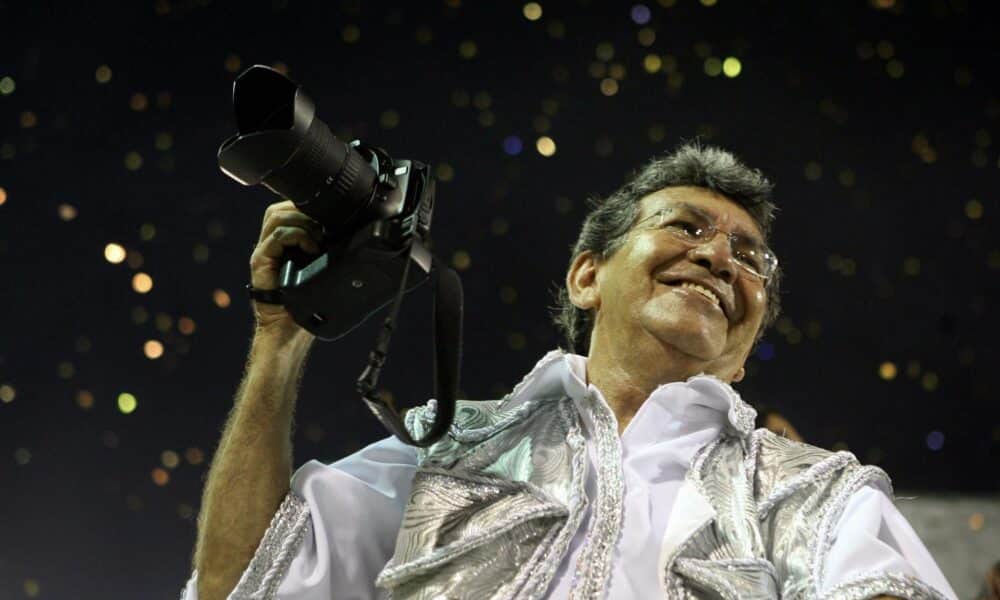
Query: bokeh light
<point x="114" y="253"/>
<point x="153" y="349"/>
<point x="532" y="11"/>
<point x="221" y="298"/>
<point x="546" y="146"/>
<point x="127" y="403"/>
<point x="142" y="283"/>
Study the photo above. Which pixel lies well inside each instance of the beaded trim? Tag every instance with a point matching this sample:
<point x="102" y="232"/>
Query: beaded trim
<point x="593" y="569"/>
<point x="831" y="512"/>
<point x="274" y="554"/>
<point x="722" y="585"/>
<point x="892" y="584"/>
<point x="540" y="576"/>
<point x="820" y="470"/>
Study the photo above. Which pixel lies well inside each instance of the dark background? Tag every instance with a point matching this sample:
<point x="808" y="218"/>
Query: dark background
<point x="878" y="122"/>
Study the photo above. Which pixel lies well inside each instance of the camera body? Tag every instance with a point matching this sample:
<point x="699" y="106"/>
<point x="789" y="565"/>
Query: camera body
<point x="376" y="211"/>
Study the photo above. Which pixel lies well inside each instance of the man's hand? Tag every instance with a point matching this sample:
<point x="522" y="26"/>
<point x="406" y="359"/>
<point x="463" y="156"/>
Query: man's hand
<point x="284" y="226"/>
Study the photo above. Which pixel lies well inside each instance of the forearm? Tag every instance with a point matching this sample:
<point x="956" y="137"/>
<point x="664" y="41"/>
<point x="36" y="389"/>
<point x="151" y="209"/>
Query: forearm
<point x="251" y="469"/>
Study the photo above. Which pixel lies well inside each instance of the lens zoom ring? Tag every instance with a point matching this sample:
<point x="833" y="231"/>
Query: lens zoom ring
<point x="348" y="174"/>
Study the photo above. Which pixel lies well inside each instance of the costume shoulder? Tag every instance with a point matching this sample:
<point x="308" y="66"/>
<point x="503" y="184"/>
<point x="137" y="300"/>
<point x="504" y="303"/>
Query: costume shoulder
<point x="801" y="492"/>
<point x="475" y="422"/>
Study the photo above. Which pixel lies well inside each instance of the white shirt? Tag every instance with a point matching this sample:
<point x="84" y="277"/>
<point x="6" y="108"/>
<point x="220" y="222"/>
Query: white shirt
<point x="356" y="504"/>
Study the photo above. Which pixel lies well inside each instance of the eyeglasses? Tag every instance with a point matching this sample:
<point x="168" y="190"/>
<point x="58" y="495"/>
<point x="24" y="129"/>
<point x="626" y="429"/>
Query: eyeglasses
<point x="694" y="228"/>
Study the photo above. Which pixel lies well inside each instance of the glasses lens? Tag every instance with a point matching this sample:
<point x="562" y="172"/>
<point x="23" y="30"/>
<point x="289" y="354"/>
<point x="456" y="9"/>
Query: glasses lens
<point x="755" y="256"/>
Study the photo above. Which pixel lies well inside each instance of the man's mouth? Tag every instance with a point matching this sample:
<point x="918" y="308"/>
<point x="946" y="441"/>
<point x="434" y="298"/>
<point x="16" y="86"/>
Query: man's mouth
<point x="698" y="289"/>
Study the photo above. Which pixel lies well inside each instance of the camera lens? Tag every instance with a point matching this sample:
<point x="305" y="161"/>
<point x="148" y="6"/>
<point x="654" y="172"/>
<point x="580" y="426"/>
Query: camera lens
<point x="282" y="145"/>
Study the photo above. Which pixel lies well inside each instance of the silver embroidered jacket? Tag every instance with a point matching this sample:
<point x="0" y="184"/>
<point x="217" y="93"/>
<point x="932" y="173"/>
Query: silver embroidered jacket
<point x="495" y="504"/>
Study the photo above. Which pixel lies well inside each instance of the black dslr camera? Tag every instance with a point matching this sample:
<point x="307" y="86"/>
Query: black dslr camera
<point x="376" y="213"/>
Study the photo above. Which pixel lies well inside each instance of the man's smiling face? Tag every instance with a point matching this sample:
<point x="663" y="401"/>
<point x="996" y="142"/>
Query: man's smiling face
<point x="646" y="306"/>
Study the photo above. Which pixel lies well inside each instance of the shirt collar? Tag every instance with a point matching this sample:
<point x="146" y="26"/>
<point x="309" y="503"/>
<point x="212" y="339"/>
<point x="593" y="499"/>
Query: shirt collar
<point x="701" y="396"/>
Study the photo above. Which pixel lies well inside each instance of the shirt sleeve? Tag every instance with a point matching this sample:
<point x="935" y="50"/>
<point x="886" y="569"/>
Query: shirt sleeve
<point x="872" y="538"/>
<point x="335" y="531"/>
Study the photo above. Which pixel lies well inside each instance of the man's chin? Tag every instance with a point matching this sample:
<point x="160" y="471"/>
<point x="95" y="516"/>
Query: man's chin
<point x="695" y="343"/>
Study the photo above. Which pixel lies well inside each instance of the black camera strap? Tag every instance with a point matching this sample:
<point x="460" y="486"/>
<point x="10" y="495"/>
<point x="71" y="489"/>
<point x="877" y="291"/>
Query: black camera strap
<point x="447" y="319"/>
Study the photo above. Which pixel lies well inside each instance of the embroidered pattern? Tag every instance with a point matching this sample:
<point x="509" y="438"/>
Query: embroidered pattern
<point x="274" y="554"/>
<point x="891" y="584"/>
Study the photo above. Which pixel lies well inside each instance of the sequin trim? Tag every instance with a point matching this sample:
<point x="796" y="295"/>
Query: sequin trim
<point x="831" y="512"/>
<point x="810" y="476"/>
<point x="593" y="569"/>
<point x="540" y="576"/>
<point x="892" y="584"/>
<point x="274" y="554"/>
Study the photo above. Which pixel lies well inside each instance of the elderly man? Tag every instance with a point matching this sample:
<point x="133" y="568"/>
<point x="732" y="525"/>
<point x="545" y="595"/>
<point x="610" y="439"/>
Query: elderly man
<point x="628" y="469"/>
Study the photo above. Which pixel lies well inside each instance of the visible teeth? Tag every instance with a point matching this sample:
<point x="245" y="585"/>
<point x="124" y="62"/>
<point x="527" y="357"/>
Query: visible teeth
<point x="704" y="291"/>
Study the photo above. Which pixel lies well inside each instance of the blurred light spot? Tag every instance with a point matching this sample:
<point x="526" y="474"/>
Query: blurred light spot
<point x="163" y="99"/>
<point x="216" y="229"/>
<point x="604" y="147"/>
<point x="929" y="381"/>
<point x="127" y="403"/>
<point x="885" y="49"/>
<point x="194" y="456"/>
<point x="656" y="133"/>
<point x="563" y="205"/>
<point x="640" y="14"/>
<point x="221" y="298"/>
<point x="3" y="196"/>
<point x="609" y="87"/>
<point x="598" y="69"/>
<point x="556" y="29"/>
<point x="617" y="71"/>
<point x="935" y="440"/>
<point x="160" y="476"/>
<point x="913" y="369"/>
<point x="708" y="2"/>
<point x="461" y="260"/>
<point x="467" y="49"/>
<point x="138" y="102"/>
<point x="135" y="259"/>
<point x="865" y="50"/>
<point x="550" y="106"/>
<point x="765" y="351"/>
<point x="186" y="325"/>
<point x="147" y="231"/>
<point x="541" y="123"/>
<point x="646" y="37"/>
<point x="983" y="139"/>
<point x="963" y="76"/>
<point x="139" y="315"/>
<point x="486" y="118"/>
<point x="133" y="502"/>
<point x="389" y="119"/>
<point x="84" y="399"/>
<point x="883" y="4"/>
<point x="170" y="459"/>
<point x="976" y="521"/>
<point x="163" y="141"/>
<point x="28" y="119"/>
<point x="846" y="178"/>
<point x="200" y="253"/>
<point x="232" y="63"/>
<point x="516" y="340"/>
<point x="103" y="74"/>
<point x="605" y="51"/>
<point x="350" y="34"/>
<point x="133" y="161"/>
<point x="7" y="151"/>
<point x="67" y="212"/>
<point x="813" y="171"/>
<point x="652" y="63"/>
<point x="911" y="265"/>
<point x="423" y="35"/>
<point x="114" y="253"/>
<point x="185" y="511"/>
<point x="974" y="209"/>
<point x="32" y="588"/>
<point x="499" y="226"/>
<point x="65" y="369"/>
<point x="546" y="146"/>
<point x="7" y="85"/>
<point x="142" y="283"/>
<point x="532" y="11"/>
<point x="22" y="456"/>
<point x="887" y="370"/>
<point x="152" y="349"/>
<point x="7" y="393"/>
<point x="732" y="66"/>
<point x="512" y="145"/>
<point x="508" y="295"/>
<point x="280" y="67"/>
<point x="444" y="172"/>
<point x="109" y="439"/>
<point x="894" y="68"/>
<point x="713" y="66"/>
<point x="993" y="259"/>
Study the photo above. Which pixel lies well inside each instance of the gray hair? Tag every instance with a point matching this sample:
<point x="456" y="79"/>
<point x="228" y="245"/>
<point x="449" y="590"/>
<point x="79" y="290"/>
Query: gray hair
<point x="610" y="219"/>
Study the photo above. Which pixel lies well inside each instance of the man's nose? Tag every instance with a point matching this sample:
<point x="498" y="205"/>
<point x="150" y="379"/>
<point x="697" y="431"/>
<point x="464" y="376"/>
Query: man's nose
<point x="716" y="255"/>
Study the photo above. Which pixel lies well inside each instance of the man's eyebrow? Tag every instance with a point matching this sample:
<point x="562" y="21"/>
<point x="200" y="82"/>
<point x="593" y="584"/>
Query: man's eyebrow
<point x="740" y="230"/>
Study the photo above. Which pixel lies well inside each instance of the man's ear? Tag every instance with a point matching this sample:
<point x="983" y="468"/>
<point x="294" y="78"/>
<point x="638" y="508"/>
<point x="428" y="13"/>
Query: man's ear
<point x="581" y="281"/>
<point x="739" y="375"/>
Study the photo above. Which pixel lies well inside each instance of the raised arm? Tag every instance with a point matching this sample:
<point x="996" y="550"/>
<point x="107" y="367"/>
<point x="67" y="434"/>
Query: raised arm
<point x="252" y="465"/>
